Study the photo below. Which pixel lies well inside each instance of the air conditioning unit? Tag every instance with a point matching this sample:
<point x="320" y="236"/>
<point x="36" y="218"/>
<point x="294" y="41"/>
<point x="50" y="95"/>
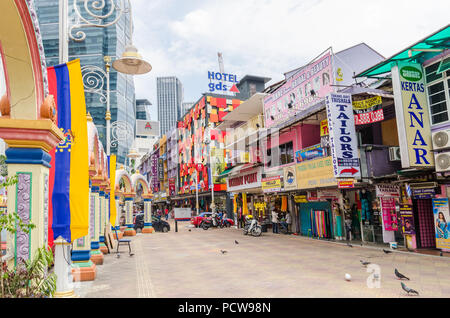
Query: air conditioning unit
<point x="441" y="139"/>
<point x="394" y="154"/>
<point x="442" y="161"/>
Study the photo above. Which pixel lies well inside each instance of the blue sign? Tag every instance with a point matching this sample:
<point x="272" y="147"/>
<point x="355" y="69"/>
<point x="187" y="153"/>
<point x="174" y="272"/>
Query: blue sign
<point x="309" y="153"/>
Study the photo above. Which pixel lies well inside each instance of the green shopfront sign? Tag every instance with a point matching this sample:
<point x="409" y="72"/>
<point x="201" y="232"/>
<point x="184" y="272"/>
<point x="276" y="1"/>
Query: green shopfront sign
<point x="411" y="73"/>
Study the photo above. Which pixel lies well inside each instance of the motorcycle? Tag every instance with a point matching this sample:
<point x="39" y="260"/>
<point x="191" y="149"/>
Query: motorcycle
<point x="252" y="227"/>
<point x="212" y="221"/>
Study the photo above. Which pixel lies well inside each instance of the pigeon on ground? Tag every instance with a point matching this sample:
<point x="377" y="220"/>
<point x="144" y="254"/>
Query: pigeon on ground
<point x="349" y="245"/>
<point x="223" y="252"/>
<point x="236" y="242"/>
<point x="364" y="263"/>
<point x="189" y="230"/>
<point x="400" y="275"/>
<point x="441" y="254"/>
<point x="408" y="290"/>
<point x="386" y="251"/>
<point x="131" y="254"/>
<point x="118" y="255"/>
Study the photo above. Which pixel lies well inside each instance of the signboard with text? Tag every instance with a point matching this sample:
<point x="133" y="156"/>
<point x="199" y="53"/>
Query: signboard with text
<point x="368" y="111"/>
<point x="271" y="184"/>
<point x="343" y="143"/>
<point x="412" y="113"/>
<point x="441" y="222"/>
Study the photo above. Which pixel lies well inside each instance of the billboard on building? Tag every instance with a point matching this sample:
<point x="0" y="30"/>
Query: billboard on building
<point x="411" y="108"/>
<point x="147" y="128"/>
<point x="311" y="84"/>
<point x="343" y="143"/>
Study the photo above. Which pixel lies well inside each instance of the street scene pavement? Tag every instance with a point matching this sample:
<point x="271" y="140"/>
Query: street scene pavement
<point x="190" y="264"/>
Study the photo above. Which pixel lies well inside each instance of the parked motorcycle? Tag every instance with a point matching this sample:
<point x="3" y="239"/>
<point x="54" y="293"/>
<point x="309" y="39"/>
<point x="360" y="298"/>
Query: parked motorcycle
<point x="252" y="227"/>
<point x="213" y="221"/>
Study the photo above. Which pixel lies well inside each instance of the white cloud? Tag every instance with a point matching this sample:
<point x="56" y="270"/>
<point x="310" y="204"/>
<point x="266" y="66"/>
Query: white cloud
<point x="268" y="37"/>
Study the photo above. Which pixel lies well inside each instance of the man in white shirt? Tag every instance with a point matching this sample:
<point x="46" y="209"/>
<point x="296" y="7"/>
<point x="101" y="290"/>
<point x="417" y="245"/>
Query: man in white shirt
<point x="288" y="221"/>
<point x="275" y="221"/>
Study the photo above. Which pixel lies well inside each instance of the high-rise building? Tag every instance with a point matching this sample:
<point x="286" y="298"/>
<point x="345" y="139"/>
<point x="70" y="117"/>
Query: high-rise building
<point x="169" y="91"/>
<point x="143" y="109"/>
<point x="99" y="42"/>
<point x="186" y="107"/>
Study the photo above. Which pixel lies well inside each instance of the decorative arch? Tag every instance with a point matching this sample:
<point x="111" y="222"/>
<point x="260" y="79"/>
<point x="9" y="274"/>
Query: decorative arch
<point x="122" y="174"/>
<point x="138" y="179"/>
<point x="23" y="58"/>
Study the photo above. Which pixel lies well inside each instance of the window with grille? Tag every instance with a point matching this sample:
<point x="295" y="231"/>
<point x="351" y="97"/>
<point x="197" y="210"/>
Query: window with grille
<point x="438" y="85"/>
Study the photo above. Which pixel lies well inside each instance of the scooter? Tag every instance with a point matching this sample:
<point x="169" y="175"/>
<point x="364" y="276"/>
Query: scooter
<point x="252" y="227"/>
<point x="212" y="221"/>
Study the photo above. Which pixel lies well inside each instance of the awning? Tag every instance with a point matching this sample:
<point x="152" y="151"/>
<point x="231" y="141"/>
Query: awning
<point x="424" y="49"/>
<point x="356" y="90"/>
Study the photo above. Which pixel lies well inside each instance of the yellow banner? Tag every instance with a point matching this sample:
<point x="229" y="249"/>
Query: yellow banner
<point x="315" y="174"/>
<point x="272" y="184"/>
<point x="112" y="199"/>
<point x="367" y="103"/>
<point x="324" y="128"/>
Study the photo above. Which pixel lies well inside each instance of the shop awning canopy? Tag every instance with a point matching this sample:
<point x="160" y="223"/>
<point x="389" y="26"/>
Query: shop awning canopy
<point x="426" y="48"/>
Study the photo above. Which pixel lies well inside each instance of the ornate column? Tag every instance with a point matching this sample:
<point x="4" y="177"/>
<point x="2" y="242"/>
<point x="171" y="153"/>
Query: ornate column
<point x="148" y="228"/>
<point x="129" y="231"/>
<point x="29" y="142"/>
<point x="83" y="269"/>
<point x="96" y="255"/>
<point x="118" y="210"/>
<point x="101" y="224"/>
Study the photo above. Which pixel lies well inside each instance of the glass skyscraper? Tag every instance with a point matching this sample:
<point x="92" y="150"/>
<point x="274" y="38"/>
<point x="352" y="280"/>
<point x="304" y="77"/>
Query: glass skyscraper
<point x="99" y="42"/>
<point x="169" y="91"/>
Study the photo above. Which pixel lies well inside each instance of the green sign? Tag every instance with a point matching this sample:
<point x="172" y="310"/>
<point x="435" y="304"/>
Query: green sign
<point x="411" y="73"/>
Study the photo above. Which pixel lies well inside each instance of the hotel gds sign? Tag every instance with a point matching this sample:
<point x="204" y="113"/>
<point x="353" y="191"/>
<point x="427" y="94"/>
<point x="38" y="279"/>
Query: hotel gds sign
<point x="413" y="122"/>
<point x="341" y="126"/>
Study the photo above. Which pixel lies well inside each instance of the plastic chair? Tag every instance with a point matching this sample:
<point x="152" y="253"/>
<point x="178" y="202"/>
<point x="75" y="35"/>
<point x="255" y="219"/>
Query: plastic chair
<point x="123" y="242"/>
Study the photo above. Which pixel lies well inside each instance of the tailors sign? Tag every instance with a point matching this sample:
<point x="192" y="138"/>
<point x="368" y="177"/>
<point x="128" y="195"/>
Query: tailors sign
<point x="341" y="125"/>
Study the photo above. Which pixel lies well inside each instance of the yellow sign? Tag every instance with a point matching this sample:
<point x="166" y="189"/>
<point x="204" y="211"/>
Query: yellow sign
<point x="315" y="174"/>
<point x="324" y="128"/>
<point x="271" y="184"/>
<point x="300" y="199"/>
<point x="367" y="103"/>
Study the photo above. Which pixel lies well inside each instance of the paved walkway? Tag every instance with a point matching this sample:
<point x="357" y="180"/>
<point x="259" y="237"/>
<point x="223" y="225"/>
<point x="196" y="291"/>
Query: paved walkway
<point x="190" y="264"/>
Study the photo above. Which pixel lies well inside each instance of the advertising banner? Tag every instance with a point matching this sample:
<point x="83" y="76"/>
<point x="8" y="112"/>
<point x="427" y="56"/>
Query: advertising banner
<point x="271" y="184"/>
<point x="172" y="186"/>
<point x="309" y="153"/>
<point x="290" y="178"/>
<point x="346" y="184"/>
<point x="411" y="108"/>
<point x="406" y="214"/>
<point x="147" y="128"/>
<point x="315" y="174"/>
<point x="311" y="84"/>
<point x="387" y="190"/>
<point x="389" y="215"/>
<point x="368" y="111"/>
<point x="248" y="180"/>
<point x="441" y="223"/>
<point x="324" y="128"/>
<point x="343" y="143"/>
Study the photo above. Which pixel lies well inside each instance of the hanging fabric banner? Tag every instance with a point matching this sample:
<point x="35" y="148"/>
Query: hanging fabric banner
<point x="70" y="164"/>
<point x="112" y="196"/>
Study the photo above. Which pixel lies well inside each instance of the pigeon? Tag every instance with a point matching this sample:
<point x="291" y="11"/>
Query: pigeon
<point x="131" y="254"/>
<point x="223" y="252"/>
<point x="349" y="245"/>
<point x="386" y="251"/>
<point x="118" y="255"/>
<point x="441" y="254"/>
<point x="236" y="242"/>
<point x="364" y="263"/>
<point x="189" y="230"/>
<point x="400" y="275"/>
<point x="408" y="290"/>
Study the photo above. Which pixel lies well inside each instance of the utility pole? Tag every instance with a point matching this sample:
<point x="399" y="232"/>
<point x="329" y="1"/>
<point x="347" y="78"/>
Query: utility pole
<point x="220" y="57"/>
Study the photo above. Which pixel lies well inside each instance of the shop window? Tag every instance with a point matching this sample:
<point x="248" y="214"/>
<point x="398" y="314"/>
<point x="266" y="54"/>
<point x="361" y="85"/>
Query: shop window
<point x="438" y="86"/>
<point x="287" y="153"/>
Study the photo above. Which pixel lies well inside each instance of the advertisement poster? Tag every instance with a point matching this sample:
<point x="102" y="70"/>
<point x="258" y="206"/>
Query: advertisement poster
<point x="290" y="178"/>
<point x="406" y="214"/>
<point x="413" y="123"/>
<point x="390" y="222"/>
<point x="311" y="84"/>
<point x="368" y="111"/>
<point x="441" y="223"/>
<point x="309" y="153"/>
<point x="271" y="184"/>
<point x="343" y="141"/>
<point x="324" y="128"/>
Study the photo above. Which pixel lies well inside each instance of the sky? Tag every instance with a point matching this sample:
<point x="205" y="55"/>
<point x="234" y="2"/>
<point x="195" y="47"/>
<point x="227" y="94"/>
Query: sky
<point x="267" y="37"/>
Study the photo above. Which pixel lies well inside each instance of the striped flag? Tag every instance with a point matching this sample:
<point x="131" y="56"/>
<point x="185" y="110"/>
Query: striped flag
<point x="69" y="173"/>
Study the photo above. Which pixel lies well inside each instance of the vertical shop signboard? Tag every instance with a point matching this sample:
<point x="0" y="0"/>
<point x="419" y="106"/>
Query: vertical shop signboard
<point x="406" y="214"/>
<point x="442" y="222"/>
<point x="343" y="143"/>
<point x="389" y="214"/>
<point x="411" y="110"/>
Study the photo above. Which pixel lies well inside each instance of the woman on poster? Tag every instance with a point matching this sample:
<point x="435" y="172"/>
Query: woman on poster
<point x="441" y="226"/>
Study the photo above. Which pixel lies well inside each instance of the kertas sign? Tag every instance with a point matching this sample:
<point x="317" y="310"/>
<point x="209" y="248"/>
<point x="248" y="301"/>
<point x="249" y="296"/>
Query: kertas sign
<point x="413" y="123"/>
<point x="341" y="125"/>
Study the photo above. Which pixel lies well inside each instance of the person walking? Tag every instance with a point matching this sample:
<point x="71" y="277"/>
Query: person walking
<point x="275" y="221"/>
<point x="166" y="212"/>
